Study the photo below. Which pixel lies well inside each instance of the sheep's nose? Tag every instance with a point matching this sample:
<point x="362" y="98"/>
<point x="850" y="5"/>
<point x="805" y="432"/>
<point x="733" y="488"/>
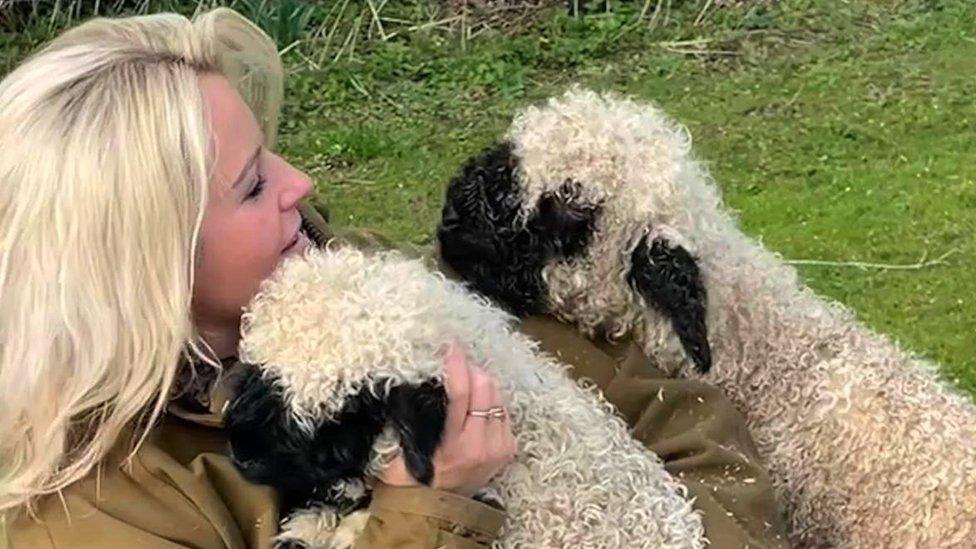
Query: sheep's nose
<point x="449" y="216"/>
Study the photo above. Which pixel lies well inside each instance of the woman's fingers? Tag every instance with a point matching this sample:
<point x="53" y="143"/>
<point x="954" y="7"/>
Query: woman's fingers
<point x="490" y="430"/>
<point x="482" y="399"/>
<point x="500" y="439"/>
<point x="473" y="448"/>
<point x="457" y="384"/>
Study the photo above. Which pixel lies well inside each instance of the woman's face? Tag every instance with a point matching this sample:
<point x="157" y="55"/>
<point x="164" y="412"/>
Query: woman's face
<point x="251" y="221"/>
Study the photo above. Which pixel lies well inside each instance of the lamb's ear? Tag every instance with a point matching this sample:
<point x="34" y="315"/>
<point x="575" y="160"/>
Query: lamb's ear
<point x="418" y="412"/>
<point x="668" y="279"/>
<point x="566" y="215"/>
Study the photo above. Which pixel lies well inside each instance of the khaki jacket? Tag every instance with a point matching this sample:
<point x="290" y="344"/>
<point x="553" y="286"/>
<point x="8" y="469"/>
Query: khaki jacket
<point x="181" y="490"/>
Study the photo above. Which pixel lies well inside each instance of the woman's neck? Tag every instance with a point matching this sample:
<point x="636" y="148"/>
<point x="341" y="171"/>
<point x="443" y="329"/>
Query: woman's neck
<point x="222" y="339"/>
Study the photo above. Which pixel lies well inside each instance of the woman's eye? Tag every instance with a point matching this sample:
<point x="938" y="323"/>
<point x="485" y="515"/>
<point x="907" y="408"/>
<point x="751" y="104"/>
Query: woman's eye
<point x="256" y="190"/>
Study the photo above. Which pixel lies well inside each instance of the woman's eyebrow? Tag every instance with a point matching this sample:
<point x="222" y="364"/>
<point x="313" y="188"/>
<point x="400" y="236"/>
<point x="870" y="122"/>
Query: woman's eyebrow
<point x="247" y="167"/>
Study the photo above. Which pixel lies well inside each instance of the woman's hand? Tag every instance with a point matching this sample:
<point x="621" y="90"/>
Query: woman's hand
<point x="473" y="448"/>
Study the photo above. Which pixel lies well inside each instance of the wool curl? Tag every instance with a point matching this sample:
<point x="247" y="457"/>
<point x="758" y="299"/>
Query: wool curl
<point x="866" y="445"/>
<point x="331" y="322"/>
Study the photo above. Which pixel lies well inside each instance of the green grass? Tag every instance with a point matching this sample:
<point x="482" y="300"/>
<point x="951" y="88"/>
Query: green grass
<point x="839" y="130"/>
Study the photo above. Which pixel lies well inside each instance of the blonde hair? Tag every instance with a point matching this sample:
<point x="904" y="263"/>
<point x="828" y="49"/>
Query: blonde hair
<point x="105" y="162"/>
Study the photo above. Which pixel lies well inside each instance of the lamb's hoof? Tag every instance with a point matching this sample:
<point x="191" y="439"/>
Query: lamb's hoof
<point x="321" y="528"/>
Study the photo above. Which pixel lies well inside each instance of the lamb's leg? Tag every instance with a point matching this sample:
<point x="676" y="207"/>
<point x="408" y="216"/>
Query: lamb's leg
<point x="418" y="413"/>
<point x="321" y="528"/>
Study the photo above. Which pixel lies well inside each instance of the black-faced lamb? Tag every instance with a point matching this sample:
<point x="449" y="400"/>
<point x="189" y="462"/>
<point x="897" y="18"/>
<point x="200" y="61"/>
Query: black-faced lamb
<point x="346" y="349"/>
<point x="594" y="209"/>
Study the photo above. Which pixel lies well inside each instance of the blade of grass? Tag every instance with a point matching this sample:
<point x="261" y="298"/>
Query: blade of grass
<point x="376" y="19"/>
<point x="332" y="31"/>
<point x="704" y="11"/>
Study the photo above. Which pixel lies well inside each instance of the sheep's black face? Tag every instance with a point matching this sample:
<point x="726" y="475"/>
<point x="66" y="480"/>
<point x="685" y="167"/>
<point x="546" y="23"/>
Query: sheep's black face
<point x="502" y="256"/>
<point x="268" y="447"/>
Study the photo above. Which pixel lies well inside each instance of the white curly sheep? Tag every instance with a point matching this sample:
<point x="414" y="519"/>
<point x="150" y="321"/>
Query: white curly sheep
<point x="336" y="324"/>
<point x="594" y="209"/>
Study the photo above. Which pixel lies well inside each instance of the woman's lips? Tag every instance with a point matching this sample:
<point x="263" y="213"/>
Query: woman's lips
<point x="297" y="245"/>
<point x="292" y="243"/>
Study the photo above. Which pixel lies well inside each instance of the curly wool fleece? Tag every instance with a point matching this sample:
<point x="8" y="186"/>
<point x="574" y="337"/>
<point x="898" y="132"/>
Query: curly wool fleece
<point x="867" y="447"/>
<point x="329" y="323"/>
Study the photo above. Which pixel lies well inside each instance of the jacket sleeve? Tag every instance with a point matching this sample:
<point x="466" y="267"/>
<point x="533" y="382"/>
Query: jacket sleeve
<point x="701" y="438"/>
<point x="704" y="442"/>
<point x="424" y="518"/>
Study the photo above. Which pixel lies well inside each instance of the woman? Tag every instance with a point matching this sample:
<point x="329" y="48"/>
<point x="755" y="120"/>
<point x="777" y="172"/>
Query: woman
<point x="142" y="205"/>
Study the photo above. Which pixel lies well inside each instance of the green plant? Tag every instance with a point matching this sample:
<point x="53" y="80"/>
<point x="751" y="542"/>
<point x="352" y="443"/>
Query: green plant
<point x="284" y="20"/>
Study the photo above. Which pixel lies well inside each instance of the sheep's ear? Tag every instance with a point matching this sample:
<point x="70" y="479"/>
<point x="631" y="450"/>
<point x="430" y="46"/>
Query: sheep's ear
<point x="418" y="412"/>
<point x="668" y="279"/>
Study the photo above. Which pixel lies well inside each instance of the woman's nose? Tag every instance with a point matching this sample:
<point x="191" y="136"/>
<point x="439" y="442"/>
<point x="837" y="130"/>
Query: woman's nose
<point x="298" y="186"/>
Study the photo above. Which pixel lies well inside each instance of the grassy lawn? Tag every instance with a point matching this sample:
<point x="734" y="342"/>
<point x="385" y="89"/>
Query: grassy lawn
<point x="839" y="130"/>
